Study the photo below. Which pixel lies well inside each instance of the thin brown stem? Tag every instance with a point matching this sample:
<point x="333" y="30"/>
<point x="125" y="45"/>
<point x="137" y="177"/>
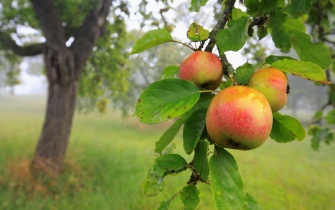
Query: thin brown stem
<point x="226" y="15"/>
<point x="186" y="45"/>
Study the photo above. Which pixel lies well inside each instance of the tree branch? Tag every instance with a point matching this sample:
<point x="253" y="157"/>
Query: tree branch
<point x="89" y="32"/>
<point x="258" y="21"/>
<point x="226" y="15"/>
<point x="29" y="50"/>
<point x="50" y="22"/>
<point x="329" y="41"/>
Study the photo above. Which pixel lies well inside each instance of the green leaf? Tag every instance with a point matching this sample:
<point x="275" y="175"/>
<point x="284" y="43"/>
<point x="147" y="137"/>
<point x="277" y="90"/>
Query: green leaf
<point x="330" y="117"/>
<point x="280" y="134"/>
<point x="298" y="7"/>
<point x="308" y="51"/>
<point x="170" y="162"/>
<point x="225" y="84"/>
<point x="165" y="205"/>
<point x="154" y="182"/>
<point x="252" y="6"/>
<point x="252" y="203"/>
<point x="281" y="28"/>
<point x="257" y="8"/>
<point x="280" y="35"/>
<point x="292" y="24"/>
<point x="166" y="99"/>
<point x="200" y="161"/>
<point x="170" y="72"/>
<point x="238" y="13"/>
<point x="164" y="165"/>
<point x="197" y="33"/>
<point x="226" y="182"/>
<point x="273" y="58"/>
<point x="151" y="39"/>
<point x="203" y="103"/>
<point x="262" y="32"/>
<point x="196" y="4"/>
<point x="303" y="69"/>
<point x="268" y="6"/>
<point x="243" y="73"/>
<point x="234" y="37"/>
<point x="317" y="116"/>
<point x="168" y="136"/>
<point x="286" y="128"/>
<point x="320" y="135"/>
<point x="190" y="197"/>
<point x="193" y="128"/>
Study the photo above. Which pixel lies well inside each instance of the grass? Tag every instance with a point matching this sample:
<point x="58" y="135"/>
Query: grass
<point x="108" y="158"/>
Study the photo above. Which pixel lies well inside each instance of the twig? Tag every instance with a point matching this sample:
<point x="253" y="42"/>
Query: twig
<point x="258" y="21"/>
<point x="329" y="41"/>
<point x="186" y="45"/>
<point x="226" y="15"/>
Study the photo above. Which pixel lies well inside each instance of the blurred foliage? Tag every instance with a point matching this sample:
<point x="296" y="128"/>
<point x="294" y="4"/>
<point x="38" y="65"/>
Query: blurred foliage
<point x="321" y="20"/>
<point x="9" y="70"/>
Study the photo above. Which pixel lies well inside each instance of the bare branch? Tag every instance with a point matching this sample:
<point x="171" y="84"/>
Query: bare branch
<point x="29" y="50"/>
<point x="226" y="15"/>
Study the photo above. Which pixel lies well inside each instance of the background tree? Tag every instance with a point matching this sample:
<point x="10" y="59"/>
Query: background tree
<point x="57" y="23"/>
<point x="71" y="34"/>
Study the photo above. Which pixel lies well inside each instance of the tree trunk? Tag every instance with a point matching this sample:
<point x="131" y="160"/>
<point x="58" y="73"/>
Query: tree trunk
<point x="64" y="65"/>
<point x="62" y="91"/>
<point x="52" y="144"/>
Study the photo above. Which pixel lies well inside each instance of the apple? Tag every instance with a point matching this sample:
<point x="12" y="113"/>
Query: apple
<point x="239" y="117"/>
<point x="203" y="68"/>
<point x="273" y="83"/>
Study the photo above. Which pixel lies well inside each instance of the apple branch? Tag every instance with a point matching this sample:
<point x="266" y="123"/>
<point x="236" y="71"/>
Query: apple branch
<point x="258" y="21"/>
<point x="226" y="15"/>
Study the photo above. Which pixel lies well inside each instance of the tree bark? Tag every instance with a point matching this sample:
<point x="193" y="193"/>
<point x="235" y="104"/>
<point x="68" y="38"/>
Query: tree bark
<point x="62" y="91"/>
<point x="64" y="66"/>
<point x="53" y="142"/>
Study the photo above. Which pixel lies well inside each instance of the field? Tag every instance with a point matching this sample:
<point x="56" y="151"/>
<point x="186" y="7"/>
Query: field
<point x="109" y="156"/>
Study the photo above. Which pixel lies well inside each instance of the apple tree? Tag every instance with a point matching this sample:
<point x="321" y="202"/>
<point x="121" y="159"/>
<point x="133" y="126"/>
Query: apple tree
<point x="242" y="111"/>
<point x="84" y="50"/>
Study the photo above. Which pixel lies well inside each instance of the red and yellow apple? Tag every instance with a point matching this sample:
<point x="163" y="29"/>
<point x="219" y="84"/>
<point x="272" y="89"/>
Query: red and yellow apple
<point x="239" y="117"/>
<point x="273" y="83"/>
<point x="203" y="68"/>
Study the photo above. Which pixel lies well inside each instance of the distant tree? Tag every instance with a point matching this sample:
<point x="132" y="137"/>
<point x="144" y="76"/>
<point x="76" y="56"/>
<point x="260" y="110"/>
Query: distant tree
<point x="68" y="31"/>
<point x="84" y="52"/>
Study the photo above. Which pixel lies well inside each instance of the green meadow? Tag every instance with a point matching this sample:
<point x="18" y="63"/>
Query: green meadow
<point x="109" y="156"/>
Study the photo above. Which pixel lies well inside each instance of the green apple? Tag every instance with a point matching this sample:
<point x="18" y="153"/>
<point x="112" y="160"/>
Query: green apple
<point x="203" y="68"/>
<point x="239" y="117"/>
<point x="273" y="83"/>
